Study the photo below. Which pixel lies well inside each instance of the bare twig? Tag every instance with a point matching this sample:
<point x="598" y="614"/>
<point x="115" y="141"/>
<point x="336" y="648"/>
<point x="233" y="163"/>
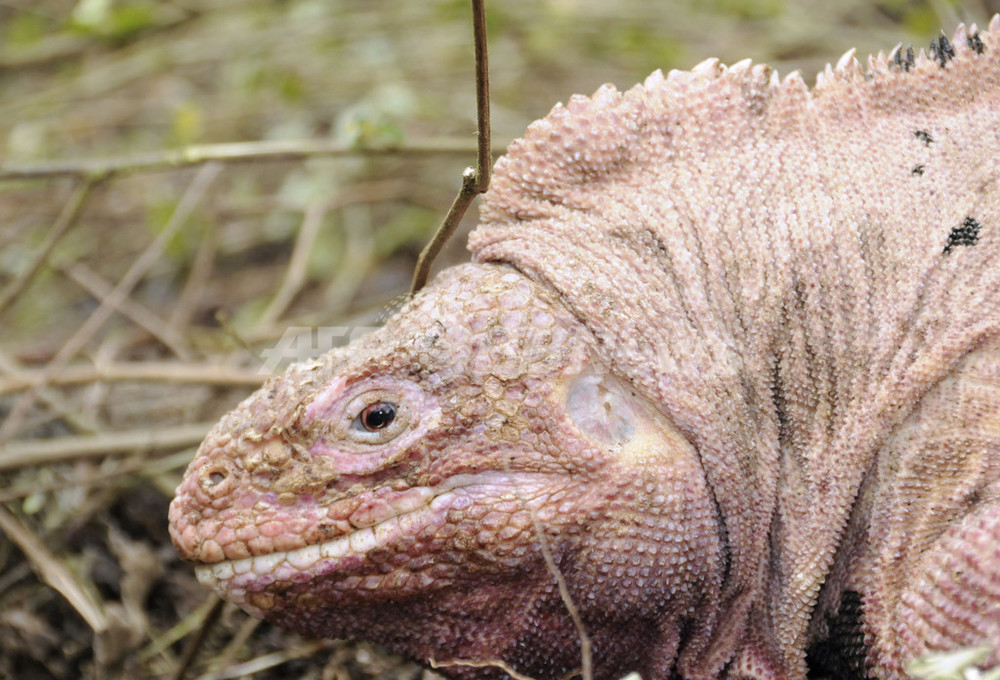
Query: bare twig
<point x="236" y="152"/>
<point x="194" y="286"/>
<point x="67" y="218"/>
<point x="51" y="398"/>
<point x="586" y="663"/>
<point x="193" y="644"/>
<point x="95" y="477"/>
<point x="37" y="452"/>
<point x="146" y="371"/>
<point x="484" y="157"/>
<point x="476" y="181"/>
<point x="192" y="196"/>
<point x="92" y="282"/>
<point x="52" y="571"/>
<point x="480" y="664"/>
<point x="295" y="274"/>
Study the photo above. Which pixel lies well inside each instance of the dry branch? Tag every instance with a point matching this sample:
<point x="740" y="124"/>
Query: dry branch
<point x="238" y="152"/>
<point x="474" y="181"/>
<point x="52" y="571"/>
<point x="192" y="196"/>
<point x="146" y="371"/>
<point x="38" y="452"/>
<point x="93" y="283"/>
<point x="67" y="218"/>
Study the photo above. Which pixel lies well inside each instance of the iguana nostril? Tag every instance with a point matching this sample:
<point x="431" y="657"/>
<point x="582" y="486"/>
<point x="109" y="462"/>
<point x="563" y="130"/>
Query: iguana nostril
<point x="216" y="479"/>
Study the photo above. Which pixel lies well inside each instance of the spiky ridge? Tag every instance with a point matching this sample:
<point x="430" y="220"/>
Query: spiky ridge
<point x="567" y="157"/>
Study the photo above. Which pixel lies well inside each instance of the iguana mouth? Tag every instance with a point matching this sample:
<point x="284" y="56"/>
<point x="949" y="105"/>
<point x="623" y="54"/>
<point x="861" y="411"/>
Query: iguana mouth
<point x="235" y="579"/>
<point x="418" y="512"/>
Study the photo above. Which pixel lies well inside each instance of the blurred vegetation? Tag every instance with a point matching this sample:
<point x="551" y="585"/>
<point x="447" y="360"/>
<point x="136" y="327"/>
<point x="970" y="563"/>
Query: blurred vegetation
<point x="84" y="80"/>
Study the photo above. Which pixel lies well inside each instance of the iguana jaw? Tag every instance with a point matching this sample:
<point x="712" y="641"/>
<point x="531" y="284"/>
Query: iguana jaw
<point x="394" y="554"/>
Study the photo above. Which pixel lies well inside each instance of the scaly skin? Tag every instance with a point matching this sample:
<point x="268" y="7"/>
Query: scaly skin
<point x="730" y="350"/>
<point x="507" y="416"/>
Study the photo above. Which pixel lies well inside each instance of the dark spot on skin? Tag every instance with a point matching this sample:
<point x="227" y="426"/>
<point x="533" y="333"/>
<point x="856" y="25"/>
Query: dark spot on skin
<point x="654" y="241"/>
<point x="966" y="234"/>
<point x="779" y="399"/>
<point x="262" y="479"/>
<point x="972" y="498"/>
<point x="842" y="653"/>
<point x="917" y="170"/>
<point x="903" y="61"/>
<point x="975" y="43"/>
<point x="924" y="136"/>
<point x="438" y="332"/>
<point x="942" y="50"/>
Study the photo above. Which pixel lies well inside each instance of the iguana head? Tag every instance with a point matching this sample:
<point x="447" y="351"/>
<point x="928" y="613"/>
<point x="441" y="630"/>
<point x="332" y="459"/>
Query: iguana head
<point x="407" y="490"/>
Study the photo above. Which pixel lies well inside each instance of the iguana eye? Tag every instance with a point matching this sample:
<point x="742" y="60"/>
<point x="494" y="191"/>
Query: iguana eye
<point x="375" y="417"/>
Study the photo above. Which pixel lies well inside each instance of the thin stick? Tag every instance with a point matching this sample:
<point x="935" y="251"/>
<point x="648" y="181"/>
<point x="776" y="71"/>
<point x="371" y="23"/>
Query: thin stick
<point x="586" y="663"/>
<point x="234" y="152"/>
<point x="192" y="196"/>
<point x="476" y="181"/>
<point x="194" y="287"/>
<point x="52" y="571"/>
<point x="67" y="218"/>
<point x="194" y="644"/>
<point x="484" y="157"/>
<point x="196" y="372"/>
<point x="37" y="452"/>
<point x="93" y="283"/>
<point x="295" y="274"/>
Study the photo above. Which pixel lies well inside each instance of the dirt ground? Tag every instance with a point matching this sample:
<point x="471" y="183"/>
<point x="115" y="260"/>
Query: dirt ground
<point x="187" y="187"/>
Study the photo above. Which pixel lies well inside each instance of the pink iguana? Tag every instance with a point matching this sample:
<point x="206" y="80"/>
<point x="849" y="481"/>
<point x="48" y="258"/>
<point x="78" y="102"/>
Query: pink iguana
<point x="731" y="345"/>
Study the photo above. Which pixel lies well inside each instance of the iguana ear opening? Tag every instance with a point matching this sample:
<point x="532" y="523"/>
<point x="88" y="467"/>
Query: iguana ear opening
<point x="615" y="416"/>
<point x="602" y="408"/>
